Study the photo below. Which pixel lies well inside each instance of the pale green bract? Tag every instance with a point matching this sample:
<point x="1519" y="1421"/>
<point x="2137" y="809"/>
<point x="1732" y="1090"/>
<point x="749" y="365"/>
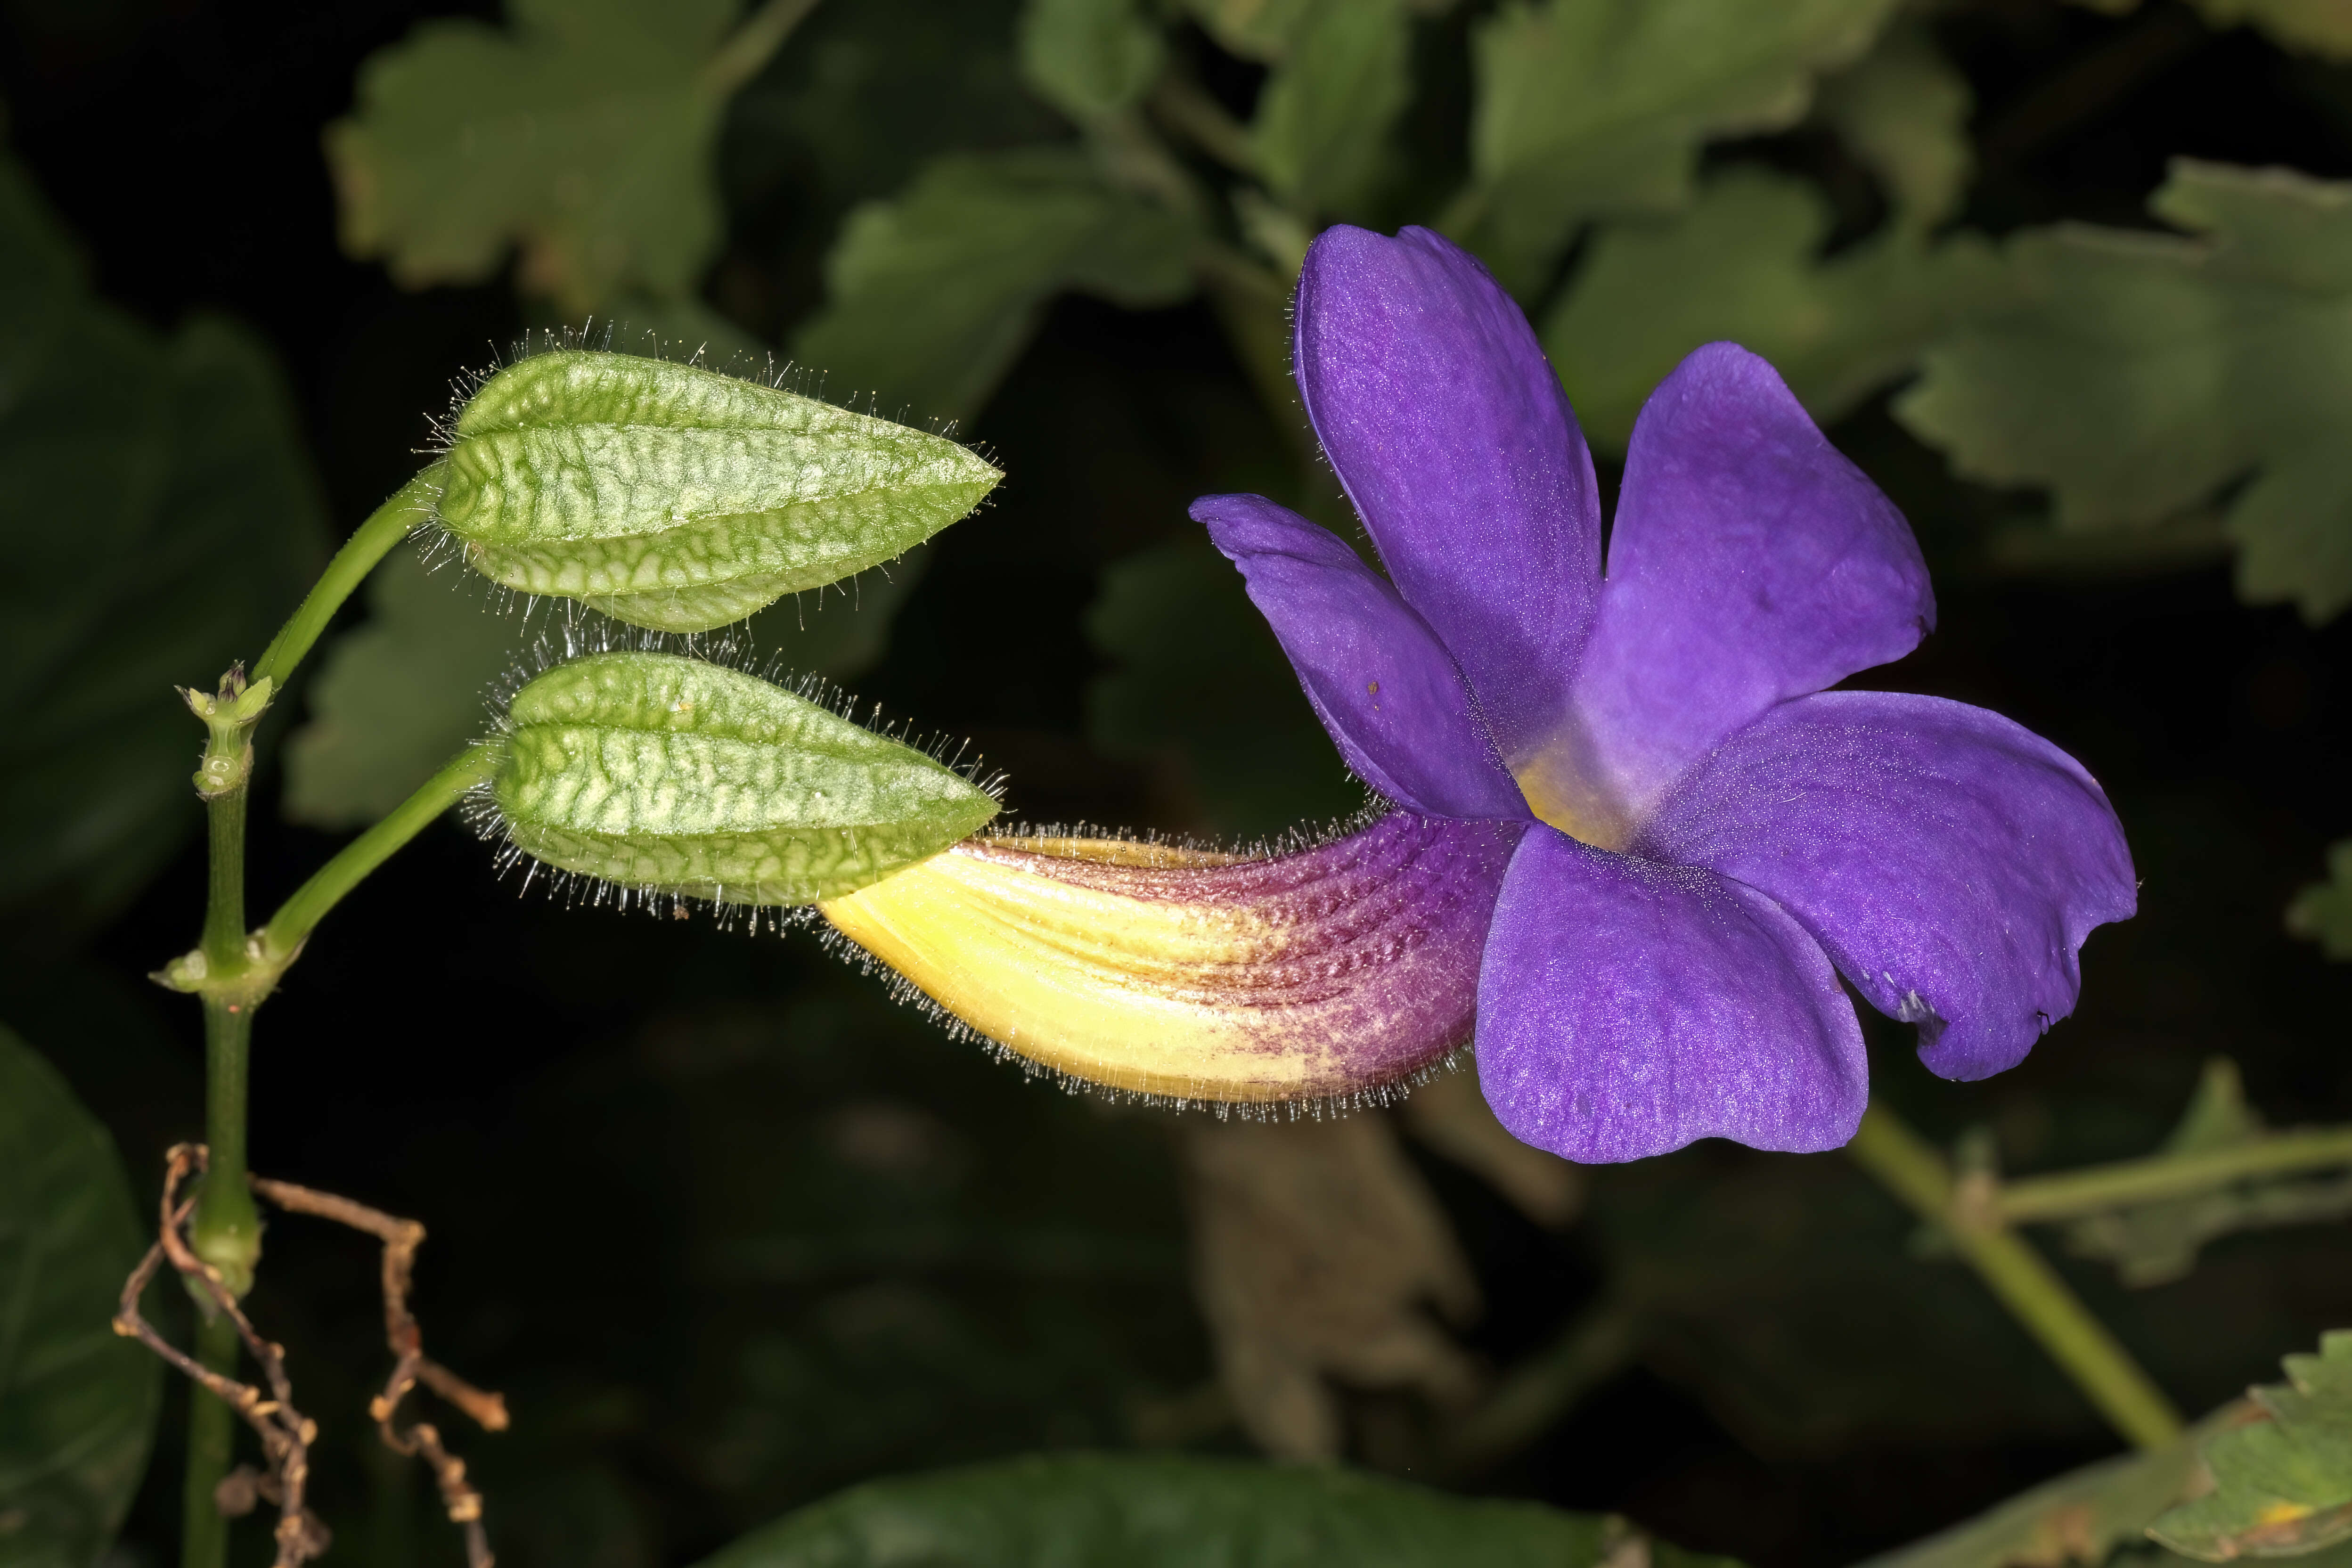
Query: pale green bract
<point x="668" y="774"/>
<point x="674" y="497"/>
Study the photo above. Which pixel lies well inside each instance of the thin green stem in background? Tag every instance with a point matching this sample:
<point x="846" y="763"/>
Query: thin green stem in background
<point x="1909" y="1167"/>
<point x="393" y="521"/>
<point x="290" y="927"/>
<point x="2102" y="1188"/>
<point x="211" y="1438"/>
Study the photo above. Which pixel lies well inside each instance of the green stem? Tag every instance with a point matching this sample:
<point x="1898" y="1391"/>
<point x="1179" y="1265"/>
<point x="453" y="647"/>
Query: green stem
<point x="290" y="927"/>
<point x="393" y="521"/>
<point x="223" y="942"/>
<point x="211" y="1439"/>
<point x="2160" y="1177"/>
<point x="1913" y="1171"/>
<point x="225" y="1231"/>
<point x="227" y="1228"/>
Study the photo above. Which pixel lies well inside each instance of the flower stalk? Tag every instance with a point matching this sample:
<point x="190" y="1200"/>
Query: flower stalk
<point x="279" y="943"/>
<point x="395" y="519"/>
<point x="1910" y="1168"/>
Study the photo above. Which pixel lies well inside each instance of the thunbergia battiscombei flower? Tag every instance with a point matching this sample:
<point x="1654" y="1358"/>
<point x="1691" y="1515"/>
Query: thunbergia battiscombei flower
<point x="1634" y="837"/>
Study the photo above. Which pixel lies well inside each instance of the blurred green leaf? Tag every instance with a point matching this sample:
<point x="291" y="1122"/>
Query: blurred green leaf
<point x="2283" y="1482"/>
<point x="2140" y="375"/>
<point x="895" y="1251"/>
<point x="2081" y="1517"/>
<point x="160" y="518"/>
<point x="2153" y="1242"/>
<point x="866" y="95"/>
<point x="2322" y="912"/>
<point x="933" y="294"/>
<point x="582" y="135"/>
<point x="1903" y="112"/>
<point x="1324" y="117"/>
<point x="1593" y="108"/>
<point x="1117" y="1512"/>
<point x="1260" y="30"/>
<point x="77" y="1403"/>
<point x="2322" y="27"/>
<point x="400" y="695"/>
<point x="1743" y="263"/>
<point x="1198" y="675"/>
<point x="1089" y="58"/>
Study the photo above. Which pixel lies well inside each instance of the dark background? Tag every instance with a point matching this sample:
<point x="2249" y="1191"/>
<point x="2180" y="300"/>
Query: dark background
<point x="627" y="1136"/>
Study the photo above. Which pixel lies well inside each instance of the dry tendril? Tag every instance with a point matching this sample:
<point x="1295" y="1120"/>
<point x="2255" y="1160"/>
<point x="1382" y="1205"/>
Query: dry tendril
<point x="286" y="1433"/>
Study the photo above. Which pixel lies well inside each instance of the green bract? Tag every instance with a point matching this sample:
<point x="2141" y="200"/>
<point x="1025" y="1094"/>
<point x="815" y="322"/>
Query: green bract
<point x="672" y="776"/>
<point x="672" y="497"/>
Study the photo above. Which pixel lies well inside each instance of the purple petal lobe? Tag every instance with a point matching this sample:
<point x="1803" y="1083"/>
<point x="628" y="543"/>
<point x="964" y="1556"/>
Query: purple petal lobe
<point x="1454" y="441"/>
<point x="1950" y="861"/>
<point x="1627" y="1006"/>
<point x="1378" y="677"/>
<point x="1749" y="562"/>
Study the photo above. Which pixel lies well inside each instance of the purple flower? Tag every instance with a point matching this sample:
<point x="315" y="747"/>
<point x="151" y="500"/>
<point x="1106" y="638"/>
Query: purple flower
<point x="1707" y="838"/>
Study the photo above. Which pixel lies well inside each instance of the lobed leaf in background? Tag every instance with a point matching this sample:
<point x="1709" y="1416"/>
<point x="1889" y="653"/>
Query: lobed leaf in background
<point x="864" y="96"/>
<point x="2282" y="1479"/>
<point x="932" y="295"/>
<point x="1902" y="112"/>
<point x="2140" y="376"/>
<point x="1260" y="30"/>
<point x="1089" y="59"/>
<point x="1592" y="108"/>
<point x="1167" y="1512"/>
<point x="2089" y="1516"/>
<point x="2322" y="912"/>
<point x="1324" y="117"/>
<point x="1744" y="261"/>
<point x="77" y="1403"/>
<point x="2314" y="27"/>
<point x="177" y="461"/>
<point x="581" y="138"/>
<point x="1198" y="675"/>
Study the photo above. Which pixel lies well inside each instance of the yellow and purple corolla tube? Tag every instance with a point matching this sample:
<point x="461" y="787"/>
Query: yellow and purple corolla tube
<point x="1157" y="970"/>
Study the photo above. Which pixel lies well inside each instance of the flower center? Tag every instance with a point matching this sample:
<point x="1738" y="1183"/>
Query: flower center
<point x="1563" y="796"/>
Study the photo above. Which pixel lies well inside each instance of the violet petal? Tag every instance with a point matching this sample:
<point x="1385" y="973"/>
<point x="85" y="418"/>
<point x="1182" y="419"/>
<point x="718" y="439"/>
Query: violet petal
<point x="1452" y="434"/>
<point x="1627" y="1006"/>
<point x="1378" y="677"/>
<point x="1749" y="562"/>
<point x="1950" y="861"/>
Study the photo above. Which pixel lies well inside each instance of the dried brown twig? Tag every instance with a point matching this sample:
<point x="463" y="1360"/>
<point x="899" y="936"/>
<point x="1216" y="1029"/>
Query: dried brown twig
<point x="410" y="1365"/>
<point x="286" y="1434"/>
